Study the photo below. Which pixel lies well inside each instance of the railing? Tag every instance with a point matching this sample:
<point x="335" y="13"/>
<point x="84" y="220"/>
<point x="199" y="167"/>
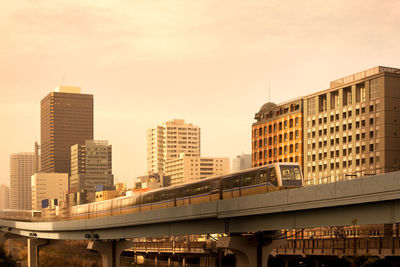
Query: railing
<point x="171" y="247"/>
<point x="385" y="246"/>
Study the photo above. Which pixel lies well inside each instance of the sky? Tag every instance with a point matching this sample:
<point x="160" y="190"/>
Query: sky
<point x="208" y="62"/>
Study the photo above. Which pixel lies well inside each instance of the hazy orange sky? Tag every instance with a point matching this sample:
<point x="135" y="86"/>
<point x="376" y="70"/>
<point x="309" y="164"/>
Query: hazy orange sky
<point x="208" y="62"/>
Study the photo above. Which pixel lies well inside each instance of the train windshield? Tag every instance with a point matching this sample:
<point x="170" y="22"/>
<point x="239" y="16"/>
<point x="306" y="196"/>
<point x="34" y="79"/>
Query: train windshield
<point x="290" y="172"/>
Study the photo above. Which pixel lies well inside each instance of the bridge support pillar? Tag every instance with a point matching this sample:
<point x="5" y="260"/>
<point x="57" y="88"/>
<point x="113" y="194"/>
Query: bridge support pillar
<point x="110" y="251"/>
<point x="33" y="245"/>
<point x="250" y="251"/>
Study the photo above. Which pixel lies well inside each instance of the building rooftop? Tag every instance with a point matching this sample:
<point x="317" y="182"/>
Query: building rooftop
<point x="68" y="89"/>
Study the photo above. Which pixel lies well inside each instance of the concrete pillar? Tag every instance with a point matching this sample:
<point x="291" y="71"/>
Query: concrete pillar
<point x="183" y="262"/>
<point x="286" y="261"/>
<point x="169" y="261"/>
<point x="250" y="251"/>
<point x="33" y="250"/>
<point x="155" y="261"/>
<point x="110" y="251"/>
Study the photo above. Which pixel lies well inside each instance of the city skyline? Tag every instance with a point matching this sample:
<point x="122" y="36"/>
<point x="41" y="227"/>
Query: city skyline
<point x="215" y="77"/>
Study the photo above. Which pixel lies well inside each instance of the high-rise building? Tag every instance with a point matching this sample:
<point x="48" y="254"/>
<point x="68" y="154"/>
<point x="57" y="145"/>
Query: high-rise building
<point x="168" y="141"/>
<point x="4" y="197"/>
<point x="66" y="120"/>
<point x="91" y="165"/>
<point x="352" y="129"/>
<point x="189" y="168"/>
<point x="241" y="162"/>
<point x="277" y="135"/>
<point x="48" y="186"/>
<point x="22" y="166"/>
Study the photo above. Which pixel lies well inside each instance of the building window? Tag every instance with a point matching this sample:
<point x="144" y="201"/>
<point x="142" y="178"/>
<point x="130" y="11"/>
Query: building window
<point x="280" y="126"/>
<point x="360" y="92"/>
<point x="291" y="123"/>
<point x="373" y="89"/>
<point x="322" y="103"/>
<point x="296" y="134"/>
<point x="297" y="147"/>
<point x="311" y="106"/>
<point x="335" y="101"/>
<point x="347" y="96"/>
<point x="296" y="121"/>
<point x="291" y="135"/>
<point x="255" y="144"/>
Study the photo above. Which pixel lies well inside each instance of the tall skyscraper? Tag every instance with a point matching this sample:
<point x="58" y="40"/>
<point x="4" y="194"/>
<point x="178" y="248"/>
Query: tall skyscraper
<point x="91" y="165"/>
<point x="168" y="141"/>
<point x="66" y="120"/>
<point x="22" y="167"/>
<point x="4" y="197"/>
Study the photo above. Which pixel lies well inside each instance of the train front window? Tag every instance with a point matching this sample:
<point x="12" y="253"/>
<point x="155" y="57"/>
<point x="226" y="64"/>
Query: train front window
<point x="290" y="172"/>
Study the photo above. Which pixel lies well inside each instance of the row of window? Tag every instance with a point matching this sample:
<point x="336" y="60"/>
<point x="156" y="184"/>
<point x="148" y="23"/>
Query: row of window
<point x="345" y="139"/>
<point x="276" y="127"/>
<point x="276" y="139"/>
<point x="345" y="164"/>
<point x="345" y="114"/>
<point x="274" y="152"/>
<point x="345" y="127"/>
<point x="290" y="159"/>
<point x="345" y="152"/>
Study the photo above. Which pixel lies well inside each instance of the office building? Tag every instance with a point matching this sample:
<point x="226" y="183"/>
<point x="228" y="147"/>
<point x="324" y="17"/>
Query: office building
<point x="48" y="186"/>
<point x="168" y="141"/>
<point x="66" y="120"/>
<point x="241" y="162"/>
<point x="22" y="166"/>
<point x="352" y="129"/>
<point x="91" y="165"/>
<point x="4" y="197"/>
<point x="189" y="168"/>
<point x="277" y="134"/>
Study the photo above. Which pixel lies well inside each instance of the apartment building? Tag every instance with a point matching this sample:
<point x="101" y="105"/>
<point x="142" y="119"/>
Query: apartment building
<point x="352" y="129"/>
<point x="189" y="168"/>
<point x="277" y="134"/>
<point x="168" y="141"/>
<point x="22" y="166"/>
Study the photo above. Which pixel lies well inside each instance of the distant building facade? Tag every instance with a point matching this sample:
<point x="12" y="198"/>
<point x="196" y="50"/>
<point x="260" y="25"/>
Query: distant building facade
<point x="277" y="134"/>
<point x="152" y="181"/>
<point x="66" y="119"/>
<point x="168" y="141"/>
<point x="106" y="192"/>
<point x="189" y="168"/>
<point x="91" y="165"/>
<point x="4" y="197"/>
<point x="22" y="166"/>
<point x="48" y="186"/>
<point x="352" y="129"/>
<point x="241" y="162"/>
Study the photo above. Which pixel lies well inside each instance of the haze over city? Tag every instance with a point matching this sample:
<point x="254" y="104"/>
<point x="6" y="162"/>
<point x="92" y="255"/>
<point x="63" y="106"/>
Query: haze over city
<point x="210" y="63"/>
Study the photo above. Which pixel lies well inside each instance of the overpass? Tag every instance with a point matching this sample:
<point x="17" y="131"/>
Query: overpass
<point x="369" y="200"/>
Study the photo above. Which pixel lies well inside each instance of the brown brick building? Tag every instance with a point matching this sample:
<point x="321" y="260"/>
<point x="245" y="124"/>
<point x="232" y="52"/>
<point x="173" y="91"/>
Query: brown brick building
<point x="277" y="135"/>
<point x="66" y="120"/>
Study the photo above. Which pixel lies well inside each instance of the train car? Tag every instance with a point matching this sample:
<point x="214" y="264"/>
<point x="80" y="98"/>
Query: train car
<point x="20" y="215"/>
<point x="268" y="178"/>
